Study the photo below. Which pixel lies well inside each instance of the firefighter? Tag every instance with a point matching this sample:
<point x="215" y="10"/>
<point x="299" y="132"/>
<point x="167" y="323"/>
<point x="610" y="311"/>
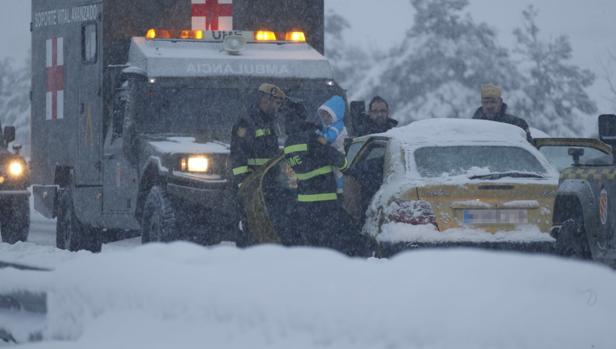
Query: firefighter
<point x="254" y="140"/>
<point x="319" y="216"/>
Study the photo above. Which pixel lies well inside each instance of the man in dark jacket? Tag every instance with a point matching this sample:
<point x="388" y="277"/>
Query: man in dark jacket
<point x="321" y="220"/>
<point x="253" y="139"/>
<point x="377" y="120"/>
<point x="493" y="108"/>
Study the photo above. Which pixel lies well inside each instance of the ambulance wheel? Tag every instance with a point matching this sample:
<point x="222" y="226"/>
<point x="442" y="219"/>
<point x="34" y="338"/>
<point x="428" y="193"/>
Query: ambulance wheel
<point x="572" y="241"/>
<point x="16" y="224"/>
<point x="71" y="234"/>
<point x="158" y="223"/>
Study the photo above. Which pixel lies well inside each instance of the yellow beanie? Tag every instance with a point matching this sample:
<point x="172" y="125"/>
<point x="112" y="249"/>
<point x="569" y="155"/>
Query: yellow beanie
<point x="490" y="90"/>
<point x="272" y="90"/>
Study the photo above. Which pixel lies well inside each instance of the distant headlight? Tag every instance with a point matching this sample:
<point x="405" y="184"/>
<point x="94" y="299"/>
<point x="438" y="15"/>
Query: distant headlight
<point x="16" y="169"/>
<point x="195" y="164"/>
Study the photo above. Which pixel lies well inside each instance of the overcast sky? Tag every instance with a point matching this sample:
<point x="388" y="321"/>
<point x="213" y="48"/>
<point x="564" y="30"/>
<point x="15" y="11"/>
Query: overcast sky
<point x="589" y="24"/>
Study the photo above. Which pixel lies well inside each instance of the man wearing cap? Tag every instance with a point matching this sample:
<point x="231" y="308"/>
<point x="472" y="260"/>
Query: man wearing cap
<point x="254" y="140"/>
<point x="493" y="108"/>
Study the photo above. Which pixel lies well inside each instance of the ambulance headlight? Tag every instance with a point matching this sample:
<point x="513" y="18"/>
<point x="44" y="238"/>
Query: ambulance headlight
<point x="16" y="169"/>
<point x="195" y="163"/>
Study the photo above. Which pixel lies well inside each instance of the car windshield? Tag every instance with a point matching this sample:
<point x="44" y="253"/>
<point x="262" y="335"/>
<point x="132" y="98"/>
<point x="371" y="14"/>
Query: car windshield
<point x="559" y="156"/>
<point x="470" y="160"/>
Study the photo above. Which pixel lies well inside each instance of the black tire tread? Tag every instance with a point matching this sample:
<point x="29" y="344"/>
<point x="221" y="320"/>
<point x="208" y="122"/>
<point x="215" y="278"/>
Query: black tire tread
<point x="158" y="203"/>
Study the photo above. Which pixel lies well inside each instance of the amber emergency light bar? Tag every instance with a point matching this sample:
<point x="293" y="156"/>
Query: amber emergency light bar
<point x="258" y="36"/>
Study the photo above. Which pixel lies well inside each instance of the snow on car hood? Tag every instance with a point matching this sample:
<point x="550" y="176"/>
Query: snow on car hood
<point x="188" y="145"/>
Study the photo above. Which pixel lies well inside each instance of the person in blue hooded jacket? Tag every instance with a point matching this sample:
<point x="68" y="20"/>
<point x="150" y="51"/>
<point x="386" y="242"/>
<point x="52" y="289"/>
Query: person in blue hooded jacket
<point x="331" y="114"/>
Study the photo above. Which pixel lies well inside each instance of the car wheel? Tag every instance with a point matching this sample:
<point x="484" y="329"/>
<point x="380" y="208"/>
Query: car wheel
<point x="158" y="223"/>
<point x="572" y="241"/>
<point x="16" y="224"/>
<point x="70" y="233"/>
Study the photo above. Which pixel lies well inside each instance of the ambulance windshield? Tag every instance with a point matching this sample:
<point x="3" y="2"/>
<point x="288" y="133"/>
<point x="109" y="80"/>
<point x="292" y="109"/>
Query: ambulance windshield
<point x="192" y="110"/>
<point x="212" y="111"/>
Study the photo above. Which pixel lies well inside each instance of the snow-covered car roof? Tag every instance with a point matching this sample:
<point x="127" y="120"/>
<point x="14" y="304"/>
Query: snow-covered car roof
<point x="537" y="133"/>
<point x="167" y="58"/>
<point x="452" y="132"/>
<point x="443" y="131"/>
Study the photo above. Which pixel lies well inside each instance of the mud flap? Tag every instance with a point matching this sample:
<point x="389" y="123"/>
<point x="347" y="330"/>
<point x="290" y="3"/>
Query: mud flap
<point x="45" y="199"/>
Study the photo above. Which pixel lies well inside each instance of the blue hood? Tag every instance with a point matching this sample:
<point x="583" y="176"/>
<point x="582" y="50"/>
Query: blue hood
<point x="336" y="107"/>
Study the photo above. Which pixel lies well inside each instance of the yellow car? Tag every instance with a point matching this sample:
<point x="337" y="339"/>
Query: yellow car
<point x="452" y="182"/>
<point x="433" y="182"/>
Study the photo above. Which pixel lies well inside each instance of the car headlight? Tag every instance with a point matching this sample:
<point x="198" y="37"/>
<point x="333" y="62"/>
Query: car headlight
<point x="16" y="169"/>
<point x="198" y="163"/>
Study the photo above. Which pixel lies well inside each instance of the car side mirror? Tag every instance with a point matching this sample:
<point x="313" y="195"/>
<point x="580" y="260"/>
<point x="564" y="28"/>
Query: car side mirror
<point x="9" y="134"/>
<point x="607" y="128"/>
<point x="576" y="153"/>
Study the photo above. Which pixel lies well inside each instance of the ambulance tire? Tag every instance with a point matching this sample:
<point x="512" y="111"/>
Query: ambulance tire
<point x="71" y="234"/>
<point x="572" y="240"/>
<point x="16" y="223"/>
<point x="158" y="223"/>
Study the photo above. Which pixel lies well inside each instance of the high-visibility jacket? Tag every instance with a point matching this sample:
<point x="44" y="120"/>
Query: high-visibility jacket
<point x="313" y="162"/>
<point x="254" y="142"/>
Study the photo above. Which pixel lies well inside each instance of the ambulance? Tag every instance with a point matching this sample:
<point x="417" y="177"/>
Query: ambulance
<point x="133" y="104"/>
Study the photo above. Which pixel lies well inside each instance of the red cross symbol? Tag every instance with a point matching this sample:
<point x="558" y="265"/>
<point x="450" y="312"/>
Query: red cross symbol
<point x="54" y="107"/>
<point x="207" y="14"/>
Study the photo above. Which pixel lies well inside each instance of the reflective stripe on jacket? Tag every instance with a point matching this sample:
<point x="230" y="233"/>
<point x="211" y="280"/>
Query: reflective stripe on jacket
<point x="253" y="143"/>
<point x="313" y="163"/>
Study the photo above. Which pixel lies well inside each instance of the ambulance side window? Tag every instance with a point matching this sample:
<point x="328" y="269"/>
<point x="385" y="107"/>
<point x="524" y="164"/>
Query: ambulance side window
<point x="89" y="43"/>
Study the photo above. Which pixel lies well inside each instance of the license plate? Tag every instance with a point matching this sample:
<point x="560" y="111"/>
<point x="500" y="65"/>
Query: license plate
<point x="495" y="216"/>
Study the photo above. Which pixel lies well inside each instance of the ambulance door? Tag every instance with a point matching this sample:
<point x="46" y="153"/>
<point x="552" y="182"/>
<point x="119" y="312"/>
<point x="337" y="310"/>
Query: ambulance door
<point x="90" y="128"/>
<point x="120" y="175"/>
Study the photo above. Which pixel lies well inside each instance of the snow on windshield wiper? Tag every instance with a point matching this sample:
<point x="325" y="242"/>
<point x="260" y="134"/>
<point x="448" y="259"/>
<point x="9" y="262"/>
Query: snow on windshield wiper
<point x="499" y="175"/>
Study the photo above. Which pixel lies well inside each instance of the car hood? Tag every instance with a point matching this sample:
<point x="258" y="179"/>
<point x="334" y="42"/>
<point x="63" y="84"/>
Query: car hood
<point x="187" y="145"/>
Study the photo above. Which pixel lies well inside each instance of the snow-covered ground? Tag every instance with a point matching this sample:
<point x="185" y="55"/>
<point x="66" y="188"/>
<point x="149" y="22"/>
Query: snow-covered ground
<point x="186" y="296"/>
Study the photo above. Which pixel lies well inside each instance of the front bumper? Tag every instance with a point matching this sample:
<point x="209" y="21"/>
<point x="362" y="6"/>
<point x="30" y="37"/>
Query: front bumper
<point x="388" y="249"/>
<point x="14" y="193"/>
<point x="206" y="197"/>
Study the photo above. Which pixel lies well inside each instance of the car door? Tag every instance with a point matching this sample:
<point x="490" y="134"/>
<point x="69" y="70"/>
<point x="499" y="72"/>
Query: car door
<point x="89" y="149"/>
<point x="365" y="175"/>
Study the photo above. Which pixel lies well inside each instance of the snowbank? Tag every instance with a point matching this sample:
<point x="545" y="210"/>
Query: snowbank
<point x="185" y="296"/>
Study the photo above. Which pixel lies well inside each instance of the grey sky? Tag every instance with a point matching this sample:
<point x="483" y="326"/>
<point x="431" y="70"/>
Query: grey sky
<point x="15" y="26"/>
<point x="381" y="24"/>
<point x="589" y="24"/>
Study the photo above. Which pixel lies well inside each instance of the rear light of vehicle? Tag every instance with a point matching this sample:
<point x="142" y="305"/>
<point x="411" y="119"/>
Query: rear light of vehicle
<point x="414" y="212"/>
